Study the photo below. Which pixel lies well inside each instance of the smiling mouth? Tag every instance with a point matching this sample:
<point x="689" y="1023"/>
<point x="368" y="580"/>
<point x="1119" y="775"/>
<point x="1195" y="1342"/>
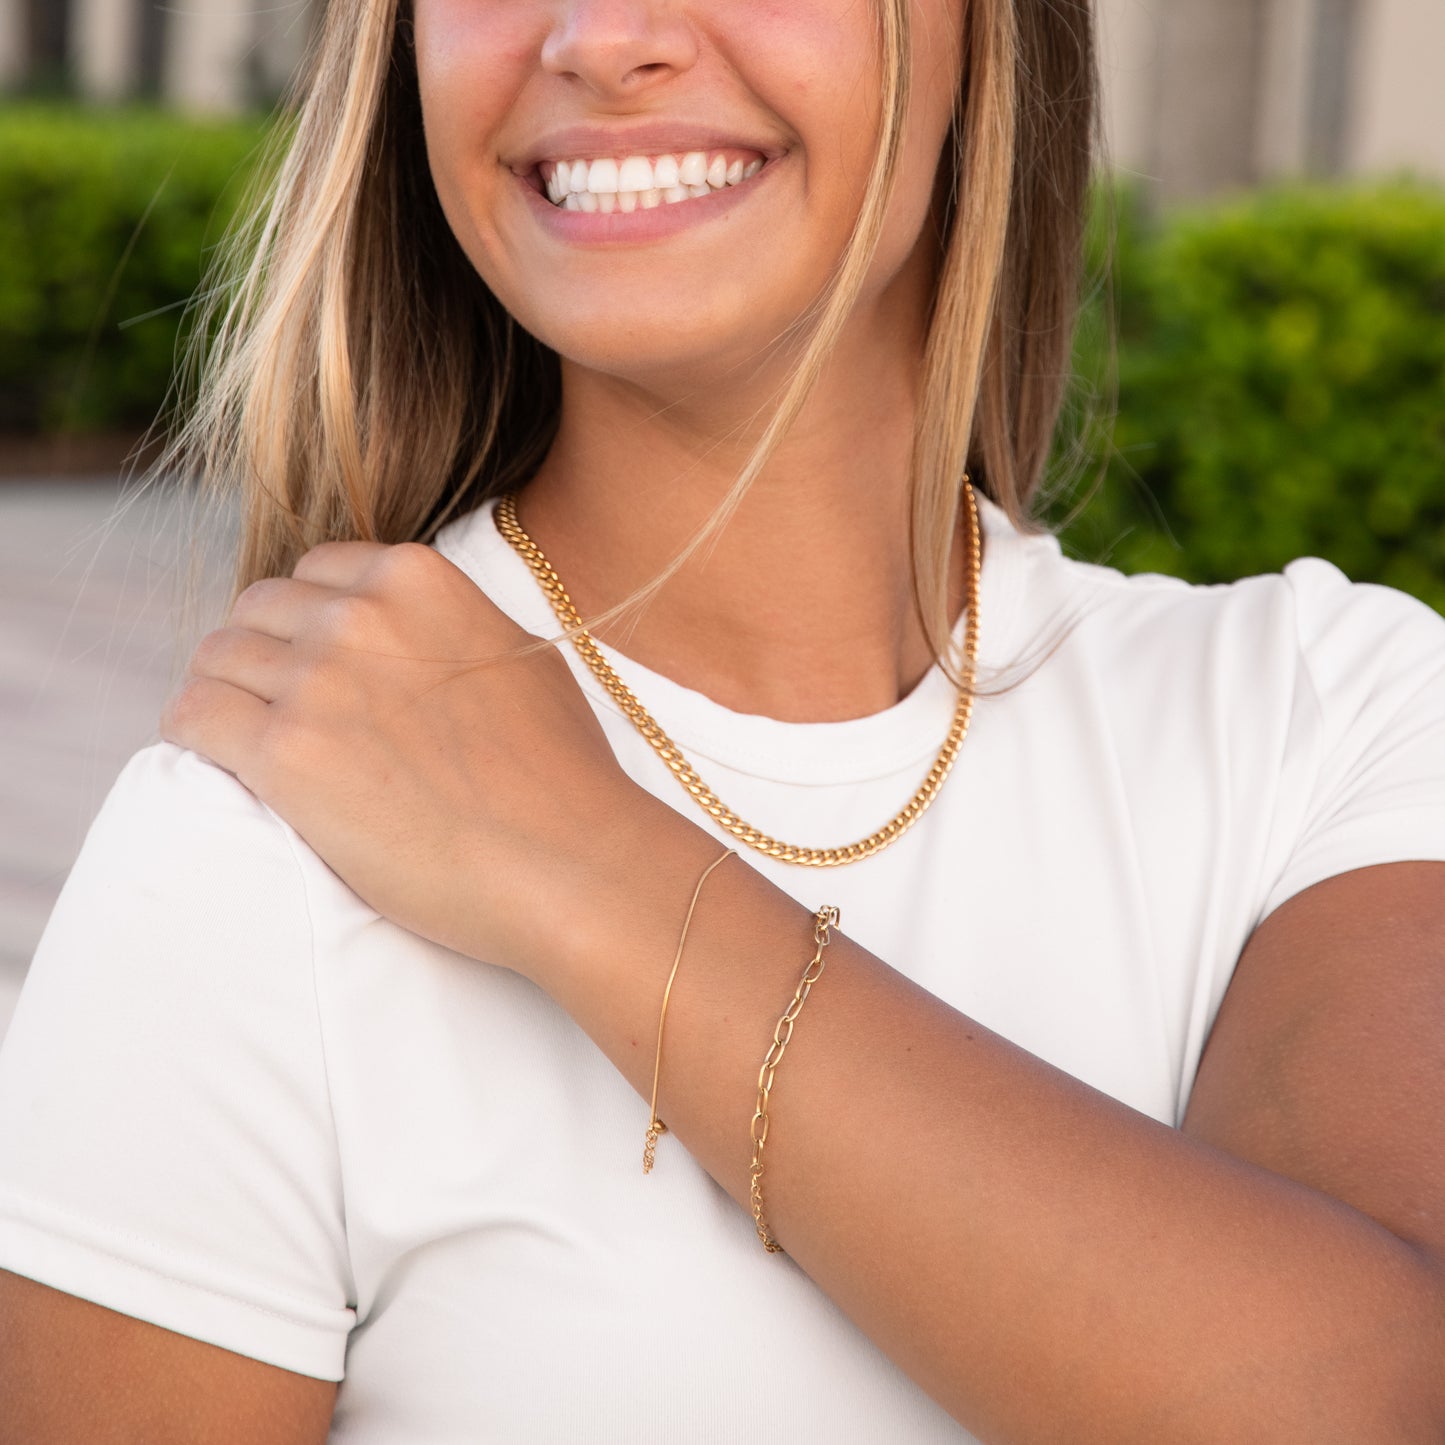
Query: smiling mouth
<point x="642" y="182"/>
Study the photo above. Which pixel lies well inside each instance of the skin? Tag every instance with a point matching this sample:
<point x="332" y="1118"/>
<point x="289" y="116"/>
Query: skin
<point x="668" y="350"/>
<point x="1273" y="1271"/>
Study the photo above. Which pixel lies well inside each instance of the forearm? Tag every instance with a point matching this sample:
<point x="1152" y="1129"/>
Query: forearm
<point x="1045" y="1261"/>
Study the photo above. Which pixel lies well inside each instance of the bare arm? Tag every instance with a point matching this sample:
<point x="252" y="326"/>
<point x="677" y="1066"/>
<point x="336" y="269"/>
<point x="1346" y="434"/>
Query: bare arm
<point x="74" y="1371"/>
<point x="1046" y="1262"/>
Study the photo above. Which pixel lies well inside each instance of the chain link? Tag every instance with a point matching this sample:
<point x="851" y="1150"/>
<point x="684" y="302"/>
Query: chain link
<point x="505" y="517"/>
<point x="824" y="919"/>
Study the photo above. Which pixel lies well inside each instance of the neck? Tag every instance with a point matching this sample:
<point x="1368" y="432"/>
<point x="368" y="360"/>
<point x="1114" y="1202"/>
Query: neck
<point x="803" y="609"/>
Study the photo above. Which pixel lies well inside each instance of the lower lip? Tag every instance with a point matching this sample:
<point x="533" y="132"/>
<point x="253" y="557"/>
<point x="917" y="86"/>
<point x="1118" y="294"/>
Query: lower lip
<point x="630" y="228"/>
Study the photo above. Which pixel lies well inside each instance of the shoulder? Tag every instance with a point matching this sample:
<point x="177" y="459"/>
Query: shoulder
<point x="191" y="846"/>
<point x="201" y="837"/>
<point x="1361" y="643"/>
<point x="168" y="1041"/>
<point x="188" y="894"/>
<point x="1308" y="618"/>
<point x="1298" y="701"/>
<point x="1286" y="685"/>
<point x="167" y="798"/>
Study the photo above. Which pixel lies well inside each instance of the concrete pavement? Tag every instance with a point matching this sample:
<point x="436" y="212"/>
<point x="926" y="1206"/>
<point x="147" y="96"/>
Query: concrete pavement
<point x="90" y="578"/>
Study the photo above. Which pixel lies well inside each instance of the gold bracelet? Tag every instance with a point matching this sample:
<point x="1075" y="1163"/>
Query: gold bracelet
<point x="825" y="918"/>
<point x="657" y="1128"/>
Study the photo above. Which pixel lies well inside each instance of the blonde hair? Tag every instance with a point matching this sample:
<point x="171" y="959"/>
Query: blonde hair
<point x="355" y="379"/>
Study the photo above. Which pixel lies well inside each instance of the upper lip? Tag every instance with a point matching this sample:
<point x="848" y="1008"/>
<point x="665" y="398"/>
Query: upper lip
<point x="658" y="138"/>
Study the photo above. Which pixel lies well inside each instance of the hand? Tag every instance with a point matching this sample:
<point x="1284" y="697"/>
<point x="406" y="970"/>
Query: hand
<point x="368" y="700"/>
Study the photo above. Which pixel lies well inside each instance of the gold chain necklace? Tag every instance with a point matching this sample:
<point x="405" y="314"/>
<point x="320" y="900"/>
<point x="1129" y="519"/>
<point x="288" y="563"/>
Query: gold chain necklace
<point x="505" y="516"/>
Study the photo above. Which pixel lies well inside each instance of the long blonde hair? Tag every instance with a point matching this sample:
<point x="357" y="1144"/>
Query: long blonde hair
<point x="354" y="378"/>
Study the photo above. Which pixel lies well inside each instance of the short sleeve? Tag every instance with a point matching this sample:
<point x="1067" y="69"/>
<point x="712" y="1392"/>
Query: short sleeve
<point x="167" y="1147"/>
<point x="1373" y="667"/>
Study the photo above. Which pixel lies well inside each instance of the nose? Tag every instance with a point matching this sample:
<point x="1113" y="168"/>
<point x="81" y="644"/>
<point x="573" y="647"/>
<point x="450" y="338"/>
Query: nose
<point x="619" y="47"/>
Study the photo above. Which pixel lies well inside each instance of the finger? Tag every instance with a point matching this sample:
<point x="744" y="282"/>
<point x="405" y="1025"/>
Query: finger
<point x="220" y="722"/>
<point x="260" y="664"/>
<point x="280" y="607"/>
<point x="339" y="564"/>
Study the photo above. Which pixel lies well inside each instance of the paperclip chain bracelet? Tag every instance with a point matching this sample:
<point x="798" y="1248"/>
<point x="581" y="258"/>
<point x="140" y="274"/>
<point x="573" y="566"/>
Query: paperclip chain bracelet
<point x="825" y="918"/>
<point x="657" y="1128"/>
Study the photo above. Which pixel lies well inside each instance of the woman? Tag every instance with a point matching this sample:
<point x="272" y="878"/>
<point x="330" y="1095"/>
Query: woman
<point x="376" y="974"/>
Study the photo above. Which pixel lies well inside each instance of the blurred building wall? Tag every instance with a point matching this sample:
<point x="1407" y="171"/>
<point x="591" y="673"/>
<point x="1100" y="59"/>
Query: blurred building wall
<point x="12" y="45"/>
<point x="1401" y="91"/>
<point x="106" y="48"/>
<point x="1208" y="95"/>
<point x="215" y="55"/>
<point x="201" y="55"/>
<point x="1201" y="95"/>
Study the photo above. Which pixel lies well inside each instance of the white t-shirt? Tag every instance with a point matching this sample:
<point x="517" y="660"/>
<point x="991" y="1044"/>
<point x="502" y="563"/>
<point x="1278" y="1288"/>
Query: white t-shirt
<point x="236" y="1102"/>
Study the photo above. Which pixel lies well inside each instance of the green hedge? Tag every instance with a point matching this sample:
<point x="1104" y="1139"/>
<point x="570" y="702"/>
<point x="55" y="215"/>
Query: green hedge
<point x="1281" y="374"/>
<point x="1281" y="359"/>
<point x="105" y="220"/>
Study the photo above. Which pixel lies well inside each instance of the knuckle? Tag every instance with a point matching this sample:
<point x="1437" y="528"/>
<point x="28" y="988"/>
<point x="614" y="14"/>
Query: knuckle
<point x="323" y="552"/>
<point x="408" y="557"/>
<point x="188" y="703"/>
<point x="211" y="650"/>
<point x="257" y="597"/>
<point x="407" y="566"/>
<point x="350" y="615"/>
<point x="333" y="558"/>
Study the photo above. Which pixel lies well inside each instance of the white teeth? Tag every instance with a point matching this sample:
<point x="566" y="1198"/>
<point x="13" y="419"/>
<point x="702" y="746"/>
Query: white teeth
<point x="607" y="184"/>
<point x="635" y="175"/>
<point x="602" y="177"/>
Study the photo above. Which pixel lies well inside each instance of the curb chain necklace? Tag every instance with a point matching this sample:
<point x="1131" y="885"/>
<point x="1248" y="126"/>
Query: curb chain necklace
<point x="505" y="516"/>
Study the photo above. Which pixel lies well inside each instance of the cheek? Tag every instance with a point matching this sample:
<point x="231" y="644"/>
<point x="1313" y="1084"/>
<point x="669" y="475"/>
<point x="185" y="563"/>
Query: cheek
<point x="822" y="65"/>
<point x="936" y="53"/>
<point x="471" y="61"/>
<point x="460" y="42"/>
<point x="937" y="57"/>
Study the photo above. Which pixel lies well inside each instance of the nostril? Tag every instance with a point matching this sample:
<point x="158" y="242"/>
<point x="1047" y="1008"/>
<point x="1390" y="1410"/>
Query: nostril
<point x="643" y="72"/>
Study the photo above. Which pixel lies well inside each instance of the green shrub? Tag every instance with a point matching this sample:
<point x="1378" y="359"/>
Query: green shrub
<point x="105" y="220"/>
<point x="1281" y="359"/>
<point x="1281" y="389"/>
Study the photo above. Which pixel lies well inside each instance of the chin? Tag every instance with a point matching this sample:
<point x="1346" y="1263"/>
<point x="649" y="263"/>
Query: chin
<point x="662" y="358"/>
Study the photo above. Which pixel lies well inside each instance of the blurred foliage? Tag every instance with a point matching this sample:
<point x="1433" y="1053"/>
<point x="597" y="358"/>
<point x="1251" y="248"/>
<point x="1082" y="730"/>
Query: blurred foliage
<point x="1280" y="359"/>
<point x="1281" y="381"/>
<point x="105" y="221"/>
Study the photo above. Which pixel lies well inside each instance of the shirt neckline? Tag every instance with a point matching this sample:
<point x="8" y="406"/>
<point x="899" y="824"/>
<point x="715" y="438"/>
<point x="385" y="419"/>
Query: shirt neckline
<point x="814" y="754"/>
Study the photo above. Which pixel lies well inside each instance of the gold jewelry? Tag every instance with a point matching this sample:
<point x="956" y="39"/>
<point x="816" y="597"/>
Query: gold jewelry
<point x="657" y="1128"/>
<point x="505" y="516"/>
<point x="825" y="918"/>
